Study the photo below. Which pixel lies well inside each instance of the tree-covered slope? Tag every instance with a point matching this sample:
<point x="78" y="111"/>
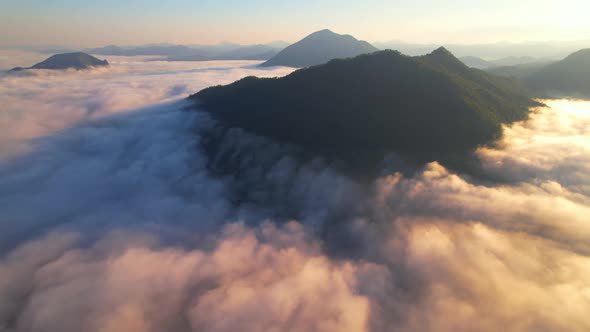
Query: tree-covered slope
<point x="318" y="48"/>
<point x="426" y="108"/>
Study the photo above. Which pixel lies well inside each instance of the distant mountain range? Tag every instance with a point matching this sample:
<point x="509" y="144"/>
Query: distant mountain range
<point x="475" y="62"/>
<point x="147" y="50"/>
<point x="479" y="63"/>
<point x="357" y="110"/>
<point x="168" y="52"/>
<point x="318" y="48"/>
<point x="253" y="52"/>
<point x="76" y="60"/>
<point x="569" y="77"/>
<point x="519" y="71"/>
<point x="549" y="50"/>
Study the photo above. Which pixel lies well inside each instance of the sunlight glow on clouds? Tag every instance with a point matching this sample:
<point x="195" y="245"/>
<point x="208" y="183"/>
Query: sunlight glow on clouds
<point x="554" y="145"/>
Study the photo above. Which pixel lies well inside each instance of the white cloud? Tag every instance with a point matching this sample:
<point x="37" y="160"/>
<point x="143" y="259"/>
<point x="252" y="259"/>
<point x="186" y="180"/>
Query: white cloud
<point x="39" y="102"/>
<point x="554" y="145"/>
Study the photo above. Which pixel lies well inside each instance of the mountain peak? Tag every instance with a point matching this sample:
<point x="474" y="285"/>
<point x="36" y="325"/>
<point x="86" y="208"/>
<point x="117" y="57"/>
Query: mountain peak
<point x="318" y="48"/>
<point x="323" y="32"/>
<point x="442" y="51"/>
<point x="443" y="57"/>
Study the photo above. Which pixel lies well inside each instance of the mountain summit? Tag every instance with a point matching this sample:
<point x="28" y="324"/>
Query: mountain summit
<point x="318" y="48"/>
<point x="441" y="58"/>
<point x="358" y="110"/>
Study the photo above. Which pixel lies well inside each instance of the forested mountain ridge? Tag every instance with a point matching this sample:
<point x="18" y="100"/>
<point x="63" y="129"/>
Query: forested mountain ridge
<point x="425" y="108"/>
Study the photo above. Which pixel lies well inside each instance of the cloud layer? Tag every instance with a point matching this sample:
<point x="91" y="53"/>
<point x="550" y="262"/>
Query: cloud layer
<point x="112" y="221"/>
<point x="42" y="101"/>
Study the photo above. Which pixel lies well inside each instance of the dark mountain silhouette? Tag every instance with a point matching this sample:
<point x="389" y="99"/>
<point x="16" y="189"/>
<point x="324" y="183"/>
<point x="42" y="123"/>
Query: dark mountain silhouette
<point x="356" y="110"/>
<point x="568" y="77"/>
<point x="318" y="48"/>
<point x="76" y="60"/>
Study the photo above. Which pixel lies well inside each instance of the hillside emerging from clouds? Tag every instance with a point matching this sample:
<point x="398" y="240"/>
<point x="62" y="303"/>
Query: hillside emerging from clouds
<point x="426" y="108"/>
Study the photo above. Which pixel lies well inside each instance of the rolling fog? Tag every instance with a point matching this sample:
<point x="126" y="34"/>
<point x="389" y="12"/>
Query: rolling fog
<point x="110" y="221"/>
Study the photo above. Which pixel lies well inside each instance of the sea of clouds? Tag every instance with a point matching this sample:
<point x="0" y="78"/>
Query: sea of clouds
<point x="111" y="220"/>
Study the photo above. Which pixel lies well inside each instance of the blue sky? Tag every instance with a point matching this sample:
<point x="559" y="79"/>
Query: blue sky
<point x="91" y="23"/>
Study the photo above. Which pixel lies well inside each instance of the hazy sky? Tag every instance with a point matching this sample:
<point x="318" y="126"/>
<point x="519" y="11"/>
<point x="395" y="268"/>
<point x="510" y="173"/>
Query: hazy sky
<point x="94" y="23"/>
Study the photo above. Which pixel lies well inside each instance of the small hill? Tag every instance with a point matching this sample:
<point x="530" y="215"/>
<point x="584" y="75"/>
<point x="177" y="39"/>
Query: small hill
<point x="568" y="77"/>
<point x="76" y="60"/>
<point x="318" y="48"/>
<point x="426" y="108"/>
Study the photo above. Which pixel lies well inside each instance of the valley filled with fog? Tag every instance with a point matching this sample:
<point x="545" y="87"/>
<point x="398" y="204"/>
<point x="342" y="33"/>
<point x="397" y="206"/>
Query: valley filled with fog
<point x="108" y="207"/>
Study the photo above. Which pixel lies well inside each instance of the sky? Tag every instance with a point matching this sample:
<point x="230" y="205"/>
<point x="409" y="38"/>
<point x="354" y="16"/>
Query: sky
<point x="132" y="22"/>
